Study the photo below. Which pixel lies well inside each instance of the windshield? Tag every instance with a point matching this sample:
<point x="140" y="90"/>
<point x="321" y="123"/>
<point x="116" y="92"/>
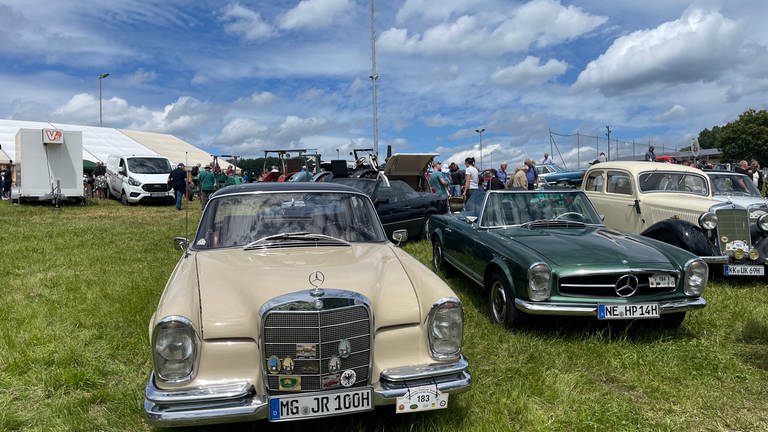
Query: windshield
<point x="733" y="184"/>
<point x="149" y="165"/>
<point x="239" y="220"/>
<point x="685" y="182"/>
<point x="516" y="208"/>
<point x="365" y="185"/>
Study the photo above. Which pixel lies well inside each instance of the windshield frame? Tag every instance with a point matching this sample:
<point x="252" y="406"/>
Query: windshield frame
<point x="374" y="232"/>
<point x="592" y="219"/>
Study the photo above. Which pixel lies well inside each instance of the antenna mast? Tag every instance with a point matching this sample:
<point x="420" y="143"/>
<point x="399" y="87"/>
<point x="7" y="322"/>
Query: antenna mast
<point x="374" y="76"/>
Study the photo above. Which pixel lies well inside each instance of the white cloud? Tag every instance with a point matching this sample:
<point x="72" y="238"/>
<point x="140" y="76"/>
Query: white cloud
<point x="242" y="21"/>
<point x="676" y="112"/>
<point x="699" y="46"/>
<point x="426" y="9"/>
<point x="258" y="99"/>
<point x="142" y="76"/>
<point x="538" y="23"/>
<point x="314" y="14"/>
<point x="529" y="72"/>
<point x="438" y="121"/>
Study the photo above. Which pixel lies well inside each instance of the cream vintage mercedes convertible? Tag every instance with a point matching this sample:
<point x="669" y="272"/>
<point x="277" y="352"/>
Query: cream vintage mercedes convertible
<point x="290" y="303"/>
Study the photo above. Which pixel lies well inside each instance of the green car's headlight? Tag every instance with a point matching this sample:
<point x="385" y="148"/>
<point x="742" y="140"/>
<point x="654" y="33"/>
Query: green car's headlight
<point x="708" y="221"/>
<point x="539" y="282"/>
<point x="696" y="275"/>
<point x="445" y="328"/>
<point x="174" y="348"/>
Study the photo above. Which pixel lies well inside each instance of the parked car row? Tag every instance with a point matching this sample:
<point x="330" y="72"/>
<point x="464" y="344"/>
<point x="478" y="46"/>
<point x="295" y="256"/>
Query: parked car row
<point x="292" y="302"/>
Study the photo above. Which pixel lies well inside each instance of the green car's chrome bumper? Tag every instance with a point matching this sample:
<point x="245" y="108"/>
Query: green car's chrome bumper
<point x="589" y="309"/>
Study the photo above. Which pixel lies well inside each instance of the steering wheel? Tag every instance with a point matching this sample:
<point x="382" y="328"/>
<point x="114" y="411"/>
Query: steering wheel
<point x="574" y="216"/>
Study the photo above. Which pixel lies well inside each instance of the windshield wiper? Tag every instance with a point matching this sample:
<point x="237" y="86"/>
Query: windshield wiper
<point x="298" y="238"/>
<point x="553" y="223"/>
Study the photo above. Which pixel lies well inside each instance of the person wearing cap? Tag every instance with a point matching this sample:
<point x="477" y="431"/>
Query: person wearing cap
<point x="178" y="181"/>
<point x="650" y="155"/>
<point x="207" y="181"/>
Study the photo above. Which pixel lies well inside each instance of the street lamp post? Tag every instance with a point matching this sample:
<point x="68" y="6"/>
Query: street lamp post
<point x="101" y="77"/>
<point x="480" y="131"/>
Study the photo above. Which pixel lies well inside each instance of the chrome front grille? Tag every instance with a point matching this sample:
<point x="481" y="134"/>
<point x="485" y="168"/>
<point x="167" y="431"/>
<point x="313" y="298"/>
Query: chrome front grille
<point x="155" y="187"/>
<point x="290" y="328"/>
<point x="604" y="284"/>
<point x="733" y="229"/>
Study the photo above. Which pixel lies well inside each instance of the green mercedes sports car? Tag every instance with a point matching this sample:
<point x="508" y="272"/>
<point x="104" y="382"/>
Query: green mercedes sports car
<point x="548" y="253"/>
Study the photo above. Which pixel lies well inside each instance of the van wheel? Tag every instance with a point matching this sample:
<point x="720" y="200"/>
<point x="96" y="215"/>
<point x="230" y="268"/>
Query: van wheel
<point x="123" y="198"/>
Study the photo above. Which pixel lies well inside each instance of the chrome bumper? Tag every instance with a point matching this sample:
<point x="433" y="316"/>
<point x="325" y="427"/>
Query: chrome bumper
<point x="236" y="402"/>
<point x="544" y="308"/>
<point x="715" y="259"/>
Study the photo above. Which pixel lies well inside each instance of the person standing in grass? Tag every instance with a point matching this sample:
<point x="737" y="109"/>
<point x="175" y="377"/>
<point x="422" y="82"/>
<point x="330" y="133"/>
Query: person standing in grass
<point x="207" y="181"/>
<point x="437" y="179"/>
<point x="178" y="181"/>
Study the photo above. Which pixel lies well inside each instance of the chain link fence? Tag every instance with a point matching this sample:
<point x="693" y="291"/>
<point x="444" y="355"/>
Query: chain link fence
<point x="576" y="151"/>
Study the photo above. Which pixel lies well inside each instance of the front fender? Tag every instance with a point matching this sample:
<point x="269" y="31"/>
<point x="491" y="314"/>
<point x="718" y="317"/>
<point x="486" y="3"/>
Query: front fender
<point x="682" y="234"/>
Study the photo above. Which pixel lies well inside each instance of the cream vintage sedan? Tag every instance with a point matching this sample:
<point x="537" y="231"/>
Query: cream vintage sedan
<point x="290" y="303"/>
<point x="675" y="204"/>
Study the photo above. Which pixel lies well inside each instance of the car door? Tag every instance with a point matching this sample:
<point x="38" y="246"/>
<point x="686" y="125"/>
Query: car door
<point x="619" y="201"/>
<point x="461" y="236"/>
<point x="399" y="208"/>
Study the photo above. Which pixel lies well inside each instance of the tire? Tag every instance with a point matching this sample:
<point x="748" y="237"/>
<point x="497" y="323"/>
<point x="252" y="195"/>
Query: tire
<point x="501" y="303"/>
<point x="123" y="198"/>
<point x="672" y="321"/>
<point x="438" y="259"/>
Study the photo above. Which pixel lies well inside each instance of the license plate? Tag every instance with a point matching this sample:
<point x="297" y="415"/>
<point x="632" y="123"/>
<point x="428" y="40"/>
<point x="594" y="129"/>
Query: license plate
<point x="423" y="398"/>
<point x="660" y="280"/>
<point x="320" y="404"/>
<point x="157" y="194"/>
<point x="627" y="311"/>
<point x="744" y="270"/>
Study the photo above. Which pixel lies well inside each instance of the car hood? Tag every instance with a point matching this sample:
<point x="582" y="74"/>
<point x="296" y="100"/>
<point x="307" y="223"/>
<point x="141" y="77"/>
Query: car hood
<point x="235" y="283"/>
<point x="584" y="247"/>
<point x="744" y="201"/>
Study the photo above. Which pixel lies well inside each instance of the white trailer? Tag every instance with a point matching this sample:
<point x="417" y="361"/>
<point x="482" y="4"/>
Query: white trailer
<point x="49" y="165"/>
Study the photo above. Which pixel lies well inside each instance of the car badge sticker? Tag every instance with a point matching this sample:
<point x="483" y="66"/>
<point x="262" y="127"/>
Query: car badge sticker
<point x="348" y="378"/>
<point x="331" y="380"/>
<point x="289" y="383"/>
<point x="334" y="363"/>
<point x="306" y="350"/>
<point x="318" y="304"/>
<point x="273" y="364"/>
<point x="344" y="348"/>
<point x="288" y="365"/>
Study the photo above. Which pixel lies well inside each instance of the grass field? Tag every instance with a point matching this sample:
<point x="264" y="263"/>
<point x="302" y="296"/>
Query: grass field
<point x="78" y="285"/>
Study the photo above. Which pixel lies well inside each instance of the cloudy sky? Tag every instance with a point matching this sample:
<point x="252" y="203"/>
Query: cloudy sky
<point x="243" y="76"/>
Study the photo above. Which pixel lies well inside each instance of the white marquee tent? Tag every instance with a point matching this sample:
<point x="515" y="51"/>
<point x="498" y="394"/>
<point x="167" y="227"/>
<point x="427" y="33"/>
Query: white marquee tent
<point x="100" y="142"/>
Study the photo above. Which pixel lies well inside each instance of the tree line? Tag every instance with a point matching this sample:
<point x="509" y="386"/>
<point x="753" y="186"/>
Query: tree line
<point x="745" y="138"/>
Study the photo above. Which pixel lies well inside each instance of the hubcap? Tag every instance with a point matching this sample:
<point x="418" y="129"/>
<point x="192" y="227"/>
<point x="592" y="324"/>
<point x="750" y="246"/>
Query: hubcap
<point x="437" y="256"/>
<point x="498" y="302"/>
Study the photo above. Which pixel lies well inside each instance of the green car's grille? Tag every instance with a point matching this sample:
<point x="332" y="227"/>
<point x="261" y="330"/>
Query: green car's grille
<point x="312" y="340"/>
<point x="606" y="284"/>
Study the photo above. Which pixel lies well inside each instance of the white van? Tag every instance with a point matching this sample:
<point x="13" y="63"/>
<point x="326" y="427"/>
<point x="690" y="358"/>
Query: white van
<point x="140" y="178"/>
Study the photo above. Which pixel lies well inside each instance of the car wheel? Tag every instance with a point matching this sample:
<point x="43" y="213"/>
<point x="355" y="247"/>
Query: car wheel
<point x="438" y="259"/>
<point x="673" y="320"/>
<point x="123" y="198"/>
<point x="501" y="303"/>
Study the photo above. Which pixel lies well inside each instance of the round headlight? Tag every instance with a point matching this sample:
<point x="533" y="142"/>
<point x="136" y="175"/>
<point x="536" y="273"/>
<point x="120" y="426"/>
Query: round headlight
<point x="738" y="254"/>
<point x="708" y="221"/>
<point x="754" y="254"/>
<point x="696" y="276"/>
<point x="446" y="327"/>
<point x="174" y="347"/>
<point x="539" y="282"/>
<point x="762" y="222"/>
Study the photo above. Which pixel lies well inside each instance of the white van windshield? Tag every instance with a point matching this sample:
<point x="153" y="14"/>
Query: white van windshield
<point x="149" y="165"/>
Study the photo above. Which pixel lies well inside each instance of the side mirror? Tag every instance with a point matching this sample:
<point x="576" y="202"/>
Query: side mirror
<point x="400" y="236"/>
<point x="182" y="243"/>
